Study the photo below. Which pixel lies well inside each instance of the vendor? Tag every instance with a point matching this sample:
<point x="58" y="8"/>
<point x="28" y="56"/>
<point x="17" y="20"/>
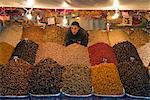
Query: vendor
<point x="76" y="34"/>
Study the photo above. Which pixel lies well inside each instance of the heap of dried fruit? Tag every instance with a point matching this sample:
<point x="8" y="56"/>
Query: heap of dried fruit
<point x="46" y="77"/>
<point x="134" y="77"/>
<point x="26" y="50"/>
<point x="55" y="34"/>
<point x="126" y="51"/>
<point x="15" y="77"/>
<point x="101" y="52"/>
<point x="76" y="80"/>
<point x="5" y="52"/>
<point x="106" y="80"/>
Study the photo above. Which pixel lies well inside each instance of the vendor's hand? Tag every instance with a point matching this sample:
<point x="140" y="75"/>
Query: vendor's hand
<point x="79" y="42"/>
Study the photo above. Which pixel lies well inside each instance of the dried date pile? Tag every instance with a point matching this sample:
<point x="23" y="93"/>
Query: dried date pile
<point x="134" y="77"/>
<point x="46" y="77"/>
<point x="1" y="77"/>
<point x="15" y="77"/>
<point x="100" y="51"/>
<point x="25" y="50"/>
<point x="76" y="80"/>
<point x="125" y="51"/>
<point x="106" y="80"/>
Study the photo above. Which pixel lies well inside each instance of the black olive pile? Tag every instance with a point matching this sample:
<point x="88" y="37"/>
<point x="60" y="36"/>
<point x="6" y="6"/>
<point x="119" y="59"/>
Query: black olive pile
<point x="46" y="77"/>
<point x="76" y="80"/>
<point x="125" y="51"/>
<point x="15" y="75"/>
<point x="134" y="77"/>
<point x="26" y="50"/>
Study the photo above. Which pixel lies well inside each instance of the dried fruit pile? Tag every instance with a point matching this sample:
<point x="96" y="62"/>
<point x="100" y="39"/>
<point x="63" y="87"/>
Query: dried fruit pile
<point x="55" y="34"/>
<point x="25" y="50"/>
<point x="11" y="34"/>
<point x="76" y="80"/>
<point x="46" y="77"/>
<point x="97" y="36"/>
<point x="72" y="54"/>
<point x="1" y="77"/>
<point x="144" y="53"/>
<point x="126" y="51"/>
<point x="139" y="38"/>
<point x="134" y="77"/>
<point x="5" y="52"/>
<point x="15" y="78"/>
<point x="106" y="80"/>
<point x="76" y="54"/>
<point x="100" y="52"/>
<point x="116" y="36"/>
<point x="51" y="50"/>
<point x="34" y="33"/>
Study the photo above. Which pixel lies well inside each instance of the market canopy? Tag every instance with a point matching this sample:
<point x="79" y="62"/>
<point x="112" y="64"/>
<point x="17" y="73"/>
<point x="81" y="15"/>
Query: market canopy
<point x="78" y="4"/>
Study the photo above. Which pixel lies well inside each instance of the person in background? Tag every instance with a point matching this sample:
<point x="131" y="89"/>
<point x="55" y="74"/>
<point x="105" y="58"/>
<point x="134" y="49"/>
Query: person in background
<point x="76" y="34"/>
<point x="1" y="26"/>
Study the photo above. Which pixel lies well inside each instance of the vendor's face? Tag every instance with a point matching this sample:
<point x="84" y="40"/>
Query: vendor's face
<point x="74" y="29"/>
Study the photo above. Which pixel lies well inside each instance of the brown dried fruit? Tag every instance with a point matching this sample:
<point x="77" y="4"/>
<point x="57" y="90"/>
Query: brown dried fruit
<point x="76" y="80"/>
<point x="25" y="50"/>
<point x="46" y="77"/>
<point x="126" y="51"/>
<point x="15" y="77"/>
<point x="134" y="77"/>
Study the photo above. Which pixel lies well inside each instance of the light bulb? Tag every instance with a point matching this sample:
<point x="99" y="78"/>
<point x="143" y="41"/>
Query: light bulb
<point x="77" y="18"/>
<point x="29" y="16"/>
<point x="116" y="4"/>
<point x="115" y="16"/>
<point x="65" y="22"/>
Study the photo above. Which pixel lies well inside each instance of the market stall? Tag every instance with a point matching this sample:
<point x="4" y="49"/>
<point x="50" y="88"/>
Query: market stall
<point x="35" y="64"/>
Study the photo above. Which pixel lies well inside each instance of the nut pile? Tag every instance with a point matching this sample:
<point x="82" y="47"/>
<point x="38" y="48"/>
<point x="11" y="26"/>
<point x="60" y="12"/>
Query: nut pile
<point x="125" y="51"/>
<point x="15" y="77"/>
<point x="134" y="77"/>
<point x="106" y="80"/>
<point x="46" y="77"/>
<point x="139" y="38"/>
<point x="5" y="52"/>
<point x="72" y="54"/>
<point x="76" y="80"/>
<point x="76" y="54"/>
<point x="100" y="51"/>
<point x="51" y="50"/>
<point x="144" y="53"/>
<point x="116" y="36"/>
<point x="34" y="33"/>
<point x="55" y="34"/>
<point x="97" y="36"/>
<point x="11" y="34"/>
<point x="26" y="50"/>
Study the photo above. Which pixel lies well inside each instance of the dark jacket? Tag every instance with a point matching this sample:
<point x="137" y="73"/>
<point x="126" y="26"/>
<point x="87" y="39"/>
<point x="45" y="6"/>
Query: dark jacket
<point x="81" y="36"/>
